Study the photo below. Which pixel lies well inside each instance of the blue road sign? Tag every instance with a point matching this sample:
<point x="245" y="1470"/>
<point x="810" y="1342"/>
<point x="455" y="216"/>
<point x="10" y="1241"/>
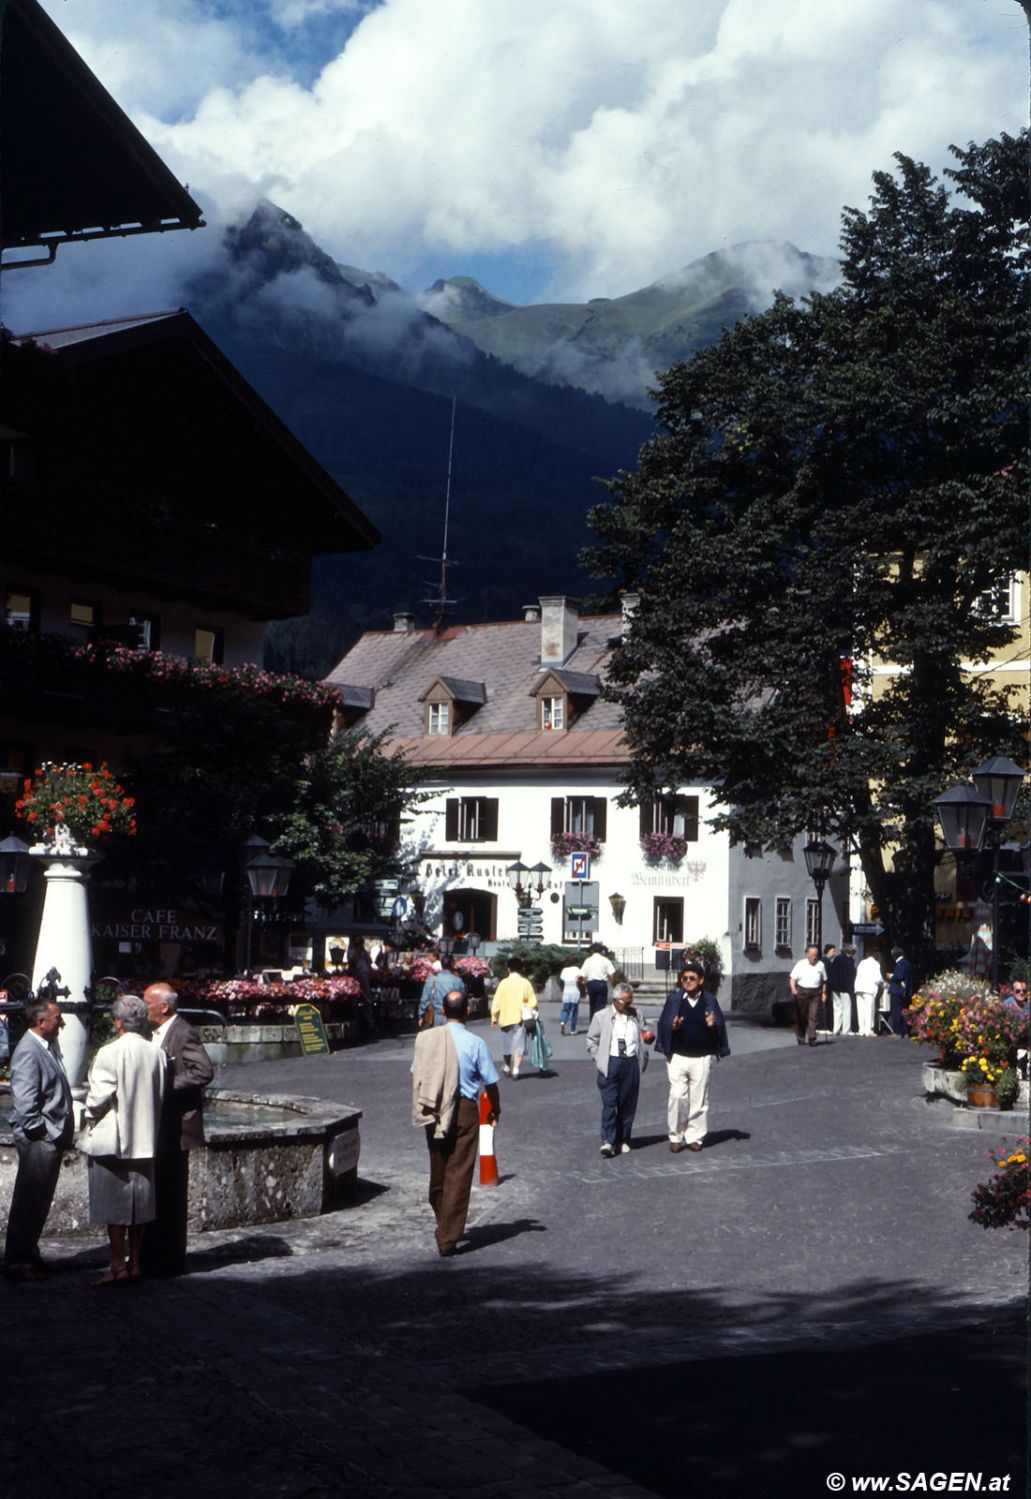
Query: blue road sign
<point x="580" y="866"/>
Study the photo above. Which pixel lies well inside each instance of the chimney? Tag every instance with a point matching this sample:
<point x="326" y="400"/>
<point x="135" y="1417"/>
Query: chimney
<point x="532" y="613"/>
<point x="404" y="624"/>
<point x="560" y="618"/>
<point x="630" y="602"/>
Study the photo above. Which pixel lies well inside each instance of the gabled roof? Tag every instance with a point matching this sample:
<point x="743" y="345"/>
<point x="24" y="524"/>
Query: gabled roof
<point x="458" y="689"/>
<point x="165" y="386"/>
<point x="73" y="165"/>
<point x="505" y="659"/>
<point x="576" y="683"/>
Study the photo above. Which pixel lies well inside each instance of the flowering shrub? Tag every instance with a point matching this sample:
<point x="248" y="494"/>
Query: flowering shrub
<point x="245" y="999"/>
<point x="975" y="1032"/>
<point x="472" y="968"/>
<point x="1005" y="1201"/>
<point x="564" y="844"/>
<point x="88" y="801"/>
<point x="665" y="847"/>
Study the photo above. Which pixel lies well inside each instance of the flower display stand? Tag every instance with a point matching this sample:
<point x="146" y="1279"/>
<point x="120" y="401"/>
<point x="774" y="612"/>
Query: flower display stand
<point x="64" y="945"/>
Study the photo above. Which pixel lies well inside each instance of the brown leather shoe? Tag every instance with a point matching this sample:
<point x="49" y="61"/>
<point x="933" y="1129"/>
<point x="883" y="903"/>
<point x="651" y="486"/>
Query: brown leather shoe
<point x="695" y="1145"/>
<point x="676" y="1146"/>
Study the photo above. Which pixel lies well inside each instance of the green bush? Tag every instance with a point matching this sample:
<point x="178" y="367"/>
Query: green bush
<point x="540" y="962"/>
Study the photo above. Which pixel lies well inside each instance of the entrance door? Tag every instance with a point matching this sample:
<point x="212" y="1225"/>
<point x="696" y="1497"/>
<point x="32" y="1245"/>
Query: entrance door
<point x="468" y="911"/>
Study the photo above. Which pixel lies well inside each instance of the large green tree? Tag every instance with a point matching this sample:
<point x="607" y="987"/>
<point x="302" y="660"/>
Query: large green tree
<point x="840" y="480"/>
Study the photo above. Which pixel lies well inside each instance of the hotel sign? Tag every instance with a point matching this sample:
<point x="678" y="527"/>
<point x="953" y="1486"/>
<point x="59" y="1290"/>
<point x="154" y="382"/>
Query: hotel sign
<point x="160" y="924"/>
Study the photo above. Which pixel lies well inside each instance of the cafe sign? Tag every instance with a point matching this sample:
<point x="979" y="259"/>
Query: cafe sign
<point x="157" y="924"/>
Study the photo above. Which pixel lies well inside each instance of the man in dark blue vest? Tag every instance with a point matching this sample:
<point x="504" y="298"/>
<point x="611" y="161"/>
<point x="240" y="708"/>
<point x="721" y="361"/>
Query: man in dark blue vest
<point x="691" y="1033"/>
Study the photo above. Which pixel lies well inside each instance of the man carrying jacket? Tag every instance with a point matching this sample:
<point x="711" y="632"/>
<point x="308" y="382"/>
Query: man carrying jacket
<point x="691" y="1032"/>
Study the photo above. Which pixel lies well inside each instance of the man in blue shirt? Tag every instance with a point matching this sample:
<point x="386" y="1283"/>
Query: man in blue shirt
<point x="451" y="1067"/>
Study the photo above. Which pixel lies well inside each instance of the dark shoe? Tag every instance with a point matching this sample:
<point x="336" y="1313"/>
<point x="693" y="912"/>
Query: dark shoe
<point x="676" y="1146"/>
<point x="608" y="1150"/>
<point x="811" y="1043"/>
<point x="695" y="1145"/>
<point x="28" y="1273"/>
<point x="446" y="1254"/>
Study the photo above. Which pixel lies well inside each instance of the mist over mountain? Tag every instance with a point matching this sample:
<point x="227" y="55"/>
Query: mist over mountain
<point x="365" y="373"/>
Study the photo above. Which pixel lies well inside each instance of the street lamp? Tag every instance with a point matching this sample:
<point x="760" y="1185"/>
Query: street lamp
<point x="819" y="861"/>
<point x="969" y="817"/>
<point x="15" y="864"/>
<point x="618" y="904"/>
<point x="268" y="878"/>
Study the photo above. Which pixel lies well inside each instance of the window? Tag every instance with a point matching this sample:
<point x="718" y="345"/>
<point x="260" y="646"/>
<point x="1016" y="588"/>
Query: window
<point x="438" y="718"/>
<point x="471" y="819"/>
<point x="668" y="921"/>
<point x="579" y="814"/>
<point x="782" y="934"/>
<point x="1000" y="602"/>
<point x="82" y="613"/>
<point x="676" y="816"/>
<point x="553" y="712"/>
<point x="16" y="762"/>
<point x="148" y="628"/>
<point x="753" y="923"/>
<point x="812" y="922"/>
<point x="207" y="644"/>
<point x="21" y="609"/>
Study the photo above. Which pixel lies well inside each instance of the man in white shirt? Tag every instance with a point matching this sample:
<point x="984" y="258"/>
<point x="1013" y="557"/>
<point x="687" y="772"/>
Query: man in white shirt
<point x="869" y="983"/>
<point x="597" y="970"/>
<point x="808" y="980"/>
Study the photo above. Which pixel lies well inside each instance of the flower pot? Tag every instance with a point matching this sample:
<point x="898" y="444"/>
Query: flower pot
<point x="982" y="1096"/>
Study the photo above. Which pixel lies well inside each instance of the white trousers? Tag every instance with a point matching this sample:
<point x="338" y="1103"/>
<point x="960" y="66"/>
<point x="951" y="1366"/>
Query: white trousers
<point x="688" y="1111"/>
<point x="842" y="1014"/>
<point x="865" y="1012"/>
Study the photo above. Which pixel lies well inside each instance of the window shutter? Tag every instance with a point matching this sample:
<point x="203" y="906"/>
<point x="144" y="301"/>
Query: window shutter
<point x="690" y="808"/>
<point x="647" y="818"/>
<point x="451" y="819"/>
<point x="601" y="807"/>
<point x="490" y="819"/>
<point x="558" y="815"/>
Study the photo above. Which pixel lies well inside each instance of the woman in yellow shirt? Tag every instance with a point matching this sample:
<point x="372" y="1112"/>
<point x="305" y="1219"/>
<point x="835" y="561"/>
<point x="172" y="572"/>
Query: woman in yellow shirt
<point x="506" y="1011"/>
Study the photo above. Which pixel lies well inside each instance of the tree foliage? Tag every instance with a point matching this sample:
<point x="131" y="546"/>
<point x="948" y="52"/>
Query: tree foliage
<point x="839" y="480"/>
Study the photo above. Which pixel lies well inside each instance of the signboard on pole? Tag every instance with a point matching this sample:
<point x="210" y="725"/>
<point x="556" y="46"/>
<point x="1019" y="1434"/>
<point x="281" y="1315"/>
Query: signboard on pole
<point x="579" y="866"/>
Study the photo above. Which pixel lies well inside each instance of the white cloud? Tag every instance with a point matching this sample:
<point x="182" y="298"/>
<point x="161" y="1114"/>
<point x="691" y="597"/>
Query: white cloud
<point x="610" y="143"/>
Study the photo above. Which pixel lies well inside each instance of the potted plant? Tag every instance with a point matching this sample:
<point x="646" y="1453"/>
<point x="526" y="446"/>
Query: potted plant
<point x="1005" y="1201"/>
<point x="84" y="800"/>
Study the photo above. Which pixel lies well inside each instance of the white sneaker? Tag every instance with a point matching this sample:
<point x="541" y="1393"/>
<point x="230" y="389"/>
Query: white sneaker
<point x="506" y="1069"/>
<point x="607" y="1149"/>
<point x="624" y="1149"/>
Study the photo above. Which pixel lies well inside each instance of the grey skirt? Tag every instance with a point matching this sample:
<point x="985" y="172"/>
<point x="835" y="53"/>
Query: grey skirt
<point x="120" y="1191"/>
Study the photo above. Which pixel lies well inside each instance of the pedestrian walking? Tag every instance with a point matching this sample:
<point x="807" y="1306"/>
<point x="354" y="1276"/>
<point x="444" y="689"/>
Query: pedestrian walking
<point x="573" y="984"/>
<point x="514" y="999"/>
<point x="692" y="1034"/>
<point x="597" y="970"/>
<point x="808" y="983"/>
<point x="123" y="1110"/>
<point x="841" y="982"/>
<point x="451" y="1066"/>
<point x="900" y="991"/>
<point x="43" y="1126"/>
<point x="869" y="983"/>
<point x="615" y="1042"/>
<point x="441" y="981"/>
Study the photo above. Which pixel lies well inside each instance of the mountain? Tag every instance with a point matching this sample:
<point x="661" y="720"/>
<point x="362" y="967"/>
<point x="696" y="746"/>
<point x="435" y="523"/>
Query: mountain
<point x="365" y="374"/>
<point x="613" y="346"/>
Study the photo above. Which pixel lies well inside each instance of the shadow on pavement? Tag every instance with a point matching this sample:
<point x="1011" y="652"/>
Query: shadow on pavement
<point x="496" y="1233"/>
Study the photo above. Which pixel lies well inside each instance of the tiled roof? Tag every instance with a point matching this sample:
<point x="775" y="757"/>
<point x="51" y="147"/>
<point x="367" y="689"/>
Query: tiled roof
<point x="505" y="657"/>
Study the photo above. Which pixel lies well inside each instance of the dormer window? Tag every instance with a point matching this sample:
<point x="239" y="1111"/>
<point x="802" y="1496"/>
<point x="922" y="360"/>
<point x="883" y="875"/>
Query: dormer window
<point x="562" y="696"/>
<point x="450" y="702"/>
<point x="553" y="712"/>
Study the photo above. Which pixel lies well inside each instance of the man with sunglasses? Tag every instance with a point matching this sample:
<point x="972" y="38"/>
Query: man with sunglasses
<point x="691" y="1032"/>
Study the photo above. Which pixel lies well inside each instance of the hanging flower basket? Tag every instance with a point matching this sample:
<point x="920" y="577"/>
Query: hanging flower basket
<point x="564" y="844"/>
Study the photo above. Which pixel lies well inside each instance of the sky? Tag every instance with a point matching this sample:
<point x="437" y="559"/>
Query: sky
<point x="554" y="149"/>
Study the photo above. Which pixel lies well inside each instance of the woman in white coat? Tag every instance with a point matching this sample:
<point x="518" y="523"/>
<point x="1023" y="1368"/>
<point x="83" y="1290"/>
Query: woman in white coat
<point x="123" y="1107"/>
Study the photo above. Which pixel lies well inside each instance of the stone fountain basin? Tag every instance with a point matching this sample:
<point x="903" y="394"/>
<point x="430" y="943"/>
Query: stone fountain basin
<point x="267" y="1157"/>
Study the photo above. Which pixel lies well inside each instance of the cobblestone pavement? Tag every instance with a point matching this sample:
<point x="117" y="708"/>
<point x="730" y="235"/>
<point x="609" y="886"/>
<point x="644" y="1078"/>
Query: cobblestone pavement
<point x="817" y="1251"/>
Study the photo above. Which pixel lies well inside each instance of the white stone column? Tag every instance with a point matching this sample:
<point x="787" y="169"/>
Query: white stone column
<point x="64" y="943"/>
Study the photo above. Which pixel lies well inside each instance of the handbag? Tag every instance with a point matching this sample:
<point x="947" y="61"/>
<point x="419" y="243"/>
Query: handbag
<point x="529" y="1017"/>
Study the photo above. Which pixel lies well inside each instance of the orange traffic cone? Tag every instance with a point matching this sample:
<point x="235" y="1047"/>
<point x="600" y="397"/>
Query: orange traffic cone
<point x="488" y="1161"/>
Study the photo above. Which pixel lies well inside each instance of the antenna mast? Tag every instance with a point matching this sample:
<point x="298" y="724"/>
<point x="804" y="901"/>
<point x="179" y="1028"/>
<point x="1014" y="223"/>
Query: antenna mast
<point x="442" y="601"/>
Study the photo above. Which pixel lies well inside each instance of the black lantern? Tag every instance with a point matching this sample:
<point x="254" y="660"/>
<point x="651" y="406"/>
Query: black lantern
<point x="542" y="871"/>
<point x="515" y="875"/>
<point x="998" y="781"/>
<point x="267" y="874"/>
<point x="474" y="939"/>
<point x="963" y="814"/>
<point x="15" y="863"/>
<point x="819" y="861"/>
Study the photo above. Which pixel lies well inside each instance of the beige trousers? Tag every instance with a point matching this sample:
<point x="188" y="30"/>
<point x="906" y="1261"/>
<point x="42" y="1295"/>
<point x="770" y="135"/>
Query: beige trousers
<point x="688" y="1111"/>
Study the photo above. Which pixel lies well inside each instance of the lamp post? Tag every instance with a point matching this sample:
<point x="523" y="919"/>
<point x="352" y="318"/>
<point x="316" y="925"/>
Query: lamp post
<point x="268" y="878"/>
<point x="528" y="880"/>
<point x="15" y="864"/>
<point x="819" y="861"/>
<point x="969" y="817"/>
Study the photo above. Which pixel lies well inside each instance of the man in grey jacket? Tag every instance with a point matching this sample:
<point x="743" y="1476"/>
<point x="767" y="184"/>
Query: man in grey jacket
<point x="616" y="1042"/>
<point x="43" y="1126"/>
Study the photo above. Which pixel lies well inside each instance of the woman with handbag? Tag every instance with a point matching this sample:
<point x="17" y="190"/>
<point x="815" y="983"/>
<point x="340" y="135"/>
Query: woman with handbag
<point x="513" y="1006"/>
